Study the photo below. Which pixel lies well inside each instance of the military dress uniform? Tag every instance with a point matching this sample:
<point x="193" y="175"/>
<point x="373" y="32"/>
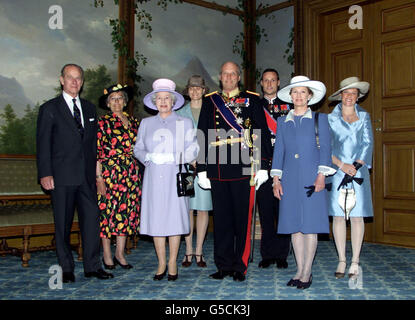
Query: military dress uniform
<point x="274" y="247"/>
<point x="225" y="154"/>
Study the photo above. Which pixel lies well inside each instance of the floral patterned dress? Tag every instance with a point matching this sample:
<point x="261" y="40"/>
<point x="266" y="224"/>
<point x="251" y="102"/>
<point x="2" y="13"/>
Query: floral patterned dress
<point x="120" y="207"/>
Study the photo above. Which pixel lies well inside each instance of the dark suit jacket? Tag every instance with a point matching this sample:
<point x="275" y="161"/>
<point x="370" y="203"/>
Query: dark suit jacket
<point x="61" y="152"/>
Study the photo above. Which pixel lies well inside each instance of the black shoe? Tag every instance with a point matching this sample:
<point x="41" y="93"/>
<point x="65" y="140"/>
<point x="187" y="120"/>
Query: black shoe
<point x="158" y="277"/>
<point x="282" y="264"/>
<point x="171" y="277"/>
<point x="187" y="262"/>
<point x="108" y="266"/>
<point x="219" y="275"/>
<point x="124" y="266"/>
<point x="238" y="276"/>
<point x="305" y="285"/>
<point x="100" y="274"/>
<point x="201" y="263"/>
<point x="265" y="263"/>
<point x="293" y="283"/>
<point x="68" y="277"/>
<point x="340" y="275"/>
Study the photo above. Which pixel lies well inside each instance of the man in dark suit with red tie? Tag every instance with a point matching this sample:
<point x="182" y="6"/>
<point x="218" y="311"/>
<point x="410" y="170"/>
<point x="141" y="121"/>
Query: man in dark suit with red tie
<point x="274" y="247"/>
<point x="66" y="141"/>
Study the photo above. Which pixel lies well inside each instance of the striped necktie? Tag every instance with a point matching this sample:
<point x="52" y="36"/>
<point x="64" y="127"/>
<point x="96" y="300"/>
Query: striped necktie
<point x="77" y="117"/>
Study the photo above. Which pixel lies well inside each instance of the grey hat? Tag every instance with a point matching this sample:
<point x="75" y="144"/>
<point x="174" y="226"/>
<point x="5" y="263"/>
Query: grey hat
<point x="195" y="81"/>
<point x="348" y="83"/>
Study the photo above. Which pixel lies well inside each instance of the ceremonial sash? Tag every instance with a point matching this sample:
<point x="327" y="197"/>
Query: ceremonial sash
<point x="271" y="122"/>
<point x="226" y="113"/>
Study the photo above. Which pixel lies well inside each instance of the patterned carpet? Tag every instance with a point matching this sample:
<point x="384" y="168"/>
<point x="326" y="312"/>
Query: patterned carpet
<point x="388" y="274"/>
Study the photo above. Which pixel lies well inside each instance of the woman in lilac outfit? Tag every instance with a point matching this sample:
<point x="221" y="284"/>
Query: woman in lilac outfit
<point x="162" y="142"/>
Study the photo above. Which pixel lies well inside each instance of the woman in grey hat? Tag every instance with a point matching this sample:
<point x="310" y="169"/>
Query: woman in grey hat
<point x="352" y="146"/>
<point x="202" y="201"/>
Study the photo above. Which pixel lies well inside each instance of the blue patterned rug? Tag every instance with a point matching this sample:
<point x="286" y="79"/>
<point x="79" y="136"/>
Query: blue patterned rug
<point x="388" y="274"/>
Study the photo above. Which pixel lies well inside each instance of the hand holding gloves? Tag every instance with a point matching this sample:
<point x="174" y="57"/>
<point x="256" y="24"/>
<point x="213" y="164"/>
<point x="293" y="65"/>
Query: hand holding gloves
<point x="203" y="180"/>
<point x="160" y="158"/>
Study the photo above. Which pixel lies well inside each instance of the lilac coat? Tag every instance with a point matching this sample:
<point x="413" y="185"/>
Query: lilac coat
<point x="163" y="213"/>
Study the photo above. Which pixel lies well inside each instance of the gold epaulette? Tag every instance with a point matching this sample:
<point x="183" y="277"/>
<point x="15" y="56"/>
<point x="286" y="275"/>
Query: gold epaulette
<point x="209" y="94"/>
<point x="251" y="92"/>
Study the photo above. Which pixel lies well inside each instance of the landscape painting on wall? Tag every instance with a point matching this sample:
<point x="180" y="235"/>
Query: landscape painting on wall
<point x="186" y="40"/>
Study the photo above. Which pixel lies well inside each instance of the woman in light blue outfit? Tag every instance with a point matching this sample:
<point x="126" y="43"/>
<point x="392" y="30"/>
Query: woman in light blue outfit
<point x="202" y="201"/>
<point x="352" y="146"/>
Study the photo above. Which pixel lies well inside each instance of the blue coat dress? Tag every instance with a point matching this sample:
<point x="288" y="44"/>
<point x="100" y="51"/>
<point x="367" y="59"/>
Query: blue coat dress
<point x="298" y="160"/>
<point x="203" y="198"/>
<point x="351" y="142"/>
<point x="163" y="213"/>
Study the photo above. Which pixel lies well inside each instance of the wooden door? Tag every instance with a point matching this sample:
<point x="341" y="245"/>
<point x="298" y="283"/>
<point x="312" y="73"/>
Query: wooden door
<point x="394" y="116"/>
<point x="382" y="53"/>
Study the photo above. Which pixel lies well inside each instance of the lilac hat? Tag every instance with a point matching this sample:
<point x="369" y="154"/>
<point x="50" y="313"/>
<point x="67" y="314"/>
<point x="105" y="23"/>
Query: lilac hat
<point x="164" y="85"/>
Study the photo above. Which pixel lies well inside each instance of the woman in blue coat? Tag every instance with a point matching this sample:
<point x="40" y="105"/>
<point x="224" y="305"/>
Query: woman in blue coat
<point x="352" y="146"/>
<point x="202" y="201"/>
<point x="299" y="166"/>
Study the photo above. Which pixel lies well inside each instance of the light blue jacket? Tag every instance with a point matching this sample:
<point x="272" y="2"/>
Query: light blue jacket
<point x="351" y="142"/>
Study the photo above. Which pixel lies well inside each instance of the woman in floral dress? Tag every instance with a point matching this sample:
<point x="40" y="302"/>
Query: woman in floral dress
<point x="118" y="175"/>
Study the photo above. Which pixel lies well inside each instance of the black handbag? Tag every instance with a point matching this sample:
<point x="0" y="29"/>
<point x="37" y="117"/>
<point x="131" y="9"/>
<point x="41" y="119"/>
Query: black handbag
<point x="328" y="186"/>
<point x="185" y="181"/>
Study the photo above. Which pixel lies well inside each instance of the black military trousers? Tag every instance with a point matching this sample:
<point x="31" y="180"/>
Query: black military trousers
<point x="230" y="224"/>
<point x="273" y="245"/>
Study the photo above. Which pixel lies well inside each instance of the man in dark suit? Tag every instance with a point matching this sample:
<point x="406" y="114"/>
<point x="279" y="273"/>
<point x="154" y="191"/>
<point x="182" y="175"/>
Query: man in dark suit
<point x="274" y="247"/>
<point x="227" y="121"/>
<point x="66" y="141"/>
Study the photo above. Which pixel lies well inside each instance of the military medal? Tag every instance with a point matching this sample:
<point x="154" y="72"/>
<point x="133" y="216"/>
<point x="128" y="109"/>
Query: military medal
<point x="230" y="104"/>
<point x="247" y="123"/>
<point x="242" y="102"/>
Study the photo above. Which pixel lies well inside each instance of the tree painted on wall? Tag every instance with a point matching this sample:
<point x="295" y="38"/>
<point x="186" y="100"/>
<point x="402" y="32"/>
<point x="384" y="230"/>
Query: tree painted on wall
<point x="18" y="135"/>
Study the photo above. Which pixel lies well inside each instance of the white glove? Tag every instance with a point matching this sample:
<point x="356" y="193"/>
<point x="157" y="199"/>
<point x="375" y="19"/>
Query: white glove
<point x="160" y="158"/>
<point x="260" y="177"/>
<point x="203" y="180"/>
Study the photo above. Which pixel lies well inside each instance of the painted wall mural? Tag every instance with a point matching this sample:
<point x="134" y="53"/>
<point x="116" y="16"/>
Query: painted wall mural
<point x="39" y="37"/>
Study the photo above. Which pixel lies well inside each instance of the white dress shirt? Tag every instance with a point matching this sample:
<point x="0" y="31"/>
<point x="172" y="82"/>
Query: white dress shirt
<point x="69" y="102"/>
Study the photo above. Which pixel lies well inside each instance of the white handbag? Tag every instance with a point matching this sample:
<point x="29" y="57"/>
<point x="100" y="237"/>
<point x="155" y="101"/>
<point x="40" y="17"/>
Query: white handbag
<point x="347" y="201"/>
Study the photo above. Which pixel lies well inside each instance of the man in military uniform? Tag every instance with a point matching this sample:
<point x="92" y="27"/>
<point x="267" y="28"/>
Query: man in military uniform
<point x="274" y="247"/>
<point x="230" y="140"/>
